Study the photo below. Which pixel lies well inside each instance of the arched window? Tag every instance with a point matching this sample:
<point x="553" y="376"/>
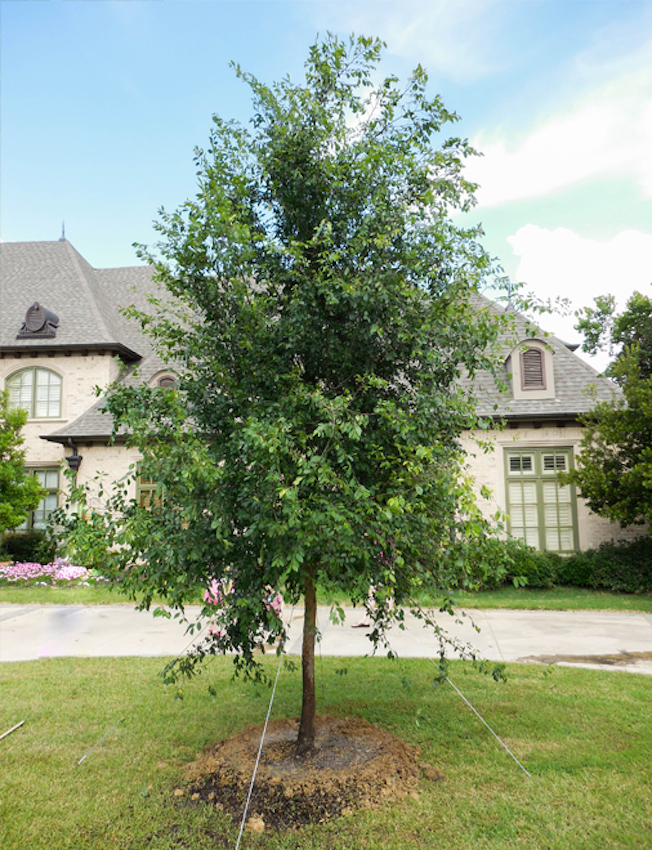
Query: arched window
<point x="167" y="381"/>
<point x="36" y="390"/>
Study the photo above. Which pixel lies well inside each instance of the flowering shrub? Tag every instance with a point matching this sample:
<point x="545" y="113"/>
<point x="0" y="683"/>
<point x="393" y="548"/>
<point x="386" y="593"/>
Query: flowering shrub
<point x="216" y="595"/>
<point x="58" y="571"/>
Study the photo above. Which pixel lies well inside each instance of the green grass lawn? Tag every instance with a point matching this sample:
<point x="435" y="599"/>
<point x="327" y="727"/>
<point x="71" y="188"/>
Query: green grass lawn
<point x="555" y="599"/>
<point x="585" y="736"/>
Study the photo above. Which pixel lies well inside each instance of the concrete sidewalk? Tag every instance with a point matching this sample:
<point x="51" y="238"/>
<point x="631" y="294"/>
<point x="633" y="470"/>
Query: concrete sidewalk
<point x="581" y="638"/>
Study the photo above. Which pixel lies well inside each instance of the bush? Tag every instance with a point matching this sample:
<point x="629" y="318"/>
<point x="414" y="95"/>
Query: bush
<point x="623" y="567"/>
<point x="536" y="569"/>
<point x="33" y="546"/>
<point x="576" y="570"/>
<point x="511" y="561"/>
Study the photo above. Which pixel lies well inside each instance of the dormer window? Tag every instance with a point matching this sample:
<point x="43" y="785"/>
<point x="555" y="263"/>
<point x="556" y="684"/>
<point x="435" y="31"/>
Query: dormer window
<point x="533" y="373"/>
<point x="165" y="380"/>
<point x="530" y="370"/>
<point x="39" y="323"/>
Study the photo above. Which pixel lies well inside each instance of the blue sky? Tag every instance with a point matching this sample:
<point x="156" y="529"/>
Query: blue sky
<point x="103" y="102"/>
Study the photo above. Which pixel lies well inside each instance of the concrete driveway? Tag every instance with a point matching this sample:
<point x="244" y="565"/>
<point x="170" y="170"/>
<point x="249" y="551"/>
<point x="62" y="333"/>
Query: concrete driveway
<point x="603" y="640"/>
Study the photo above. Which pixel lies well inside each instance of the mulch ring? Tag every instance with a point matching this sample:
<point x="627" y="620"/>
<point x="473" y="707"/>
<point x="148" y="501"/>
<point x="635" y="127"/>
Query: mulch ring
<point x="354" y="765"/>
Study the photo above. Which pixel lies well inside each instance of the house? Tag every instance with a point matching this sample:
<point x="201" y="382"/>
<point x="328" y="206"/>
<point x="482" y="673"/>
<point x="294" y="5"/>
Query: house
<point x="549" y="387"/>
<point x="62" y="335"/>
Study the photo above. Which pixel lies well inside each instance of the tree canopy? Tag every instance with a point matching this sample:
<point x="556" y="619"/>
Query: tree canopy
<point x="614" y="473"/>
<point x="319" y="306"/>
<point x="20" y="492"/>
<point x="625" y="335"/>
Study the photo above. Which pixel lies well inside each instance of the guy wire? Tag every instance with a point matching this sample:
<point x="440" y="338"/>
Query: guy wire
<point x="262" y="741"/>
<point x="477" y="714"/>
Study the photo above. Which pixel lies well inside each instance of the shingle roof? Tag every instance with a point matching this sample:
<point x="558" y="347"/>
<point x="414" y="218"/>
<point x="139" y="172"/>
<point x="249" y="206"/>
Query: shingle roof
<point x="94" y="425"/>
<point x="85" y="299"/>
<point x="87" y="302"/>
<point x="577" y="385"/>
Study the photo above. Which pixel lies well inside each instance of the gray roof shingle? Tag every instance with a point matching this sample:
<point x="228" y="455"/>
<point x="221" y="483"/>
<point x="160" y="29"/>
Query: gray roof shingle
<point x="577" y="385"/>
<point x="85" y="299"/>
<point x="88" y="302"/>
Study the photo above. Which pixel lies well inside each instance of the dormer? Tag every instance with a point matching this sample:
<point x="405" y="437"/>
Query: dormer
<point x="530" y="370"/>
<point x="165" y="379"/>
<point x="39" y="323"/>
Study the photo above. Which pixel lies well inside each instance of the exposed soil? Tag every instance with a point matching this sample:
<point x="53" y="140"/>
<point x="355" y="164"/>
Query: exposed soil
<point x="354" y="765"/>
<point x="618" y="659"/>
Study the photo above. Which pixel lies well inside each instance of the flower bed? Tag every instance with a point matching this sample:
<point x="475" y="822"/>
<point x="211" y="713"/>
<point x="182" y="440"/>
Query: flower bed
<point x="59" y="572"/>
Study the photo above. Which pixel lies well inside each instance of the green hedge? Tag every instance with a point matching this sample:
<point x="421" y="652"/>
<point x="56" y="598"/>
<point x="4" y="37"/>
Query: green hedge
<point x="624" y="567"/>
<point x="30" y="546"/>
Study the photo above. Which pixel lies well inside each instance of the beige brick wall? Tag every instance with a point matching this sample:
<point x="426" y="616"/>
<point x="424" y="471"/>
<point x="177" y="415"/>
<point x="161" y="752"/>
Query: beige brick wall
<point x="80" y="375"/>
<point x="103" y="465"/>
<point x="487" y="468"/>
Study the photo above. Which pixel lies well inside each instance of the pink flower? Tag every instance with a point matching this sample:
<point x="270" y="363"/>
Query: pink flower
<point x="28" y="571"/>
<point x="216" y="592"/>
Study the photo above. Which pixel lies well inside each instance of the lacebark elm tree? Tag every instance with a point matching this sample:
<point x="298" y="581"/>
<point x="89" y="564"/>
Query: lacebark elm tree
<point x="320" y="308"/>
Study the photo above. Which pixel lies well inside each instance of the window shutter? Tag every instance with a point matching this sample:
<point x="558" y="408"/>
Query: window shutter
<point x="533" y="376"/>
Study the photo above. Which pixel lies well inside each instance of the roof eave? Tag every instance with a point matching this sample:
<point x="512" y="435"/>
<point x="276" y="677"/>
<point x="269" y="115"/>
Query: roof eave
<point x="99" y="439"/>
<point x="127" y="355"/>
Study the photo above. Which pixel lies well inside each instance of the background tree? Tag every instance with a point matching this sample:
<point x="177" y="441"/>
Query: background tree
<point x="20" y="492"/>
<point x="627" y="334"/>
<point x="320" y="308"/>
<point x="614" y="472"/>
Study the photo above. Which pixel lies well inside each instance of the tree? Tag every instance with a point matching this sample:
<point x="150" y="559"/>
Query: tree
<point x="320" y="308"/>
<point x="614" y="473"/>
<point x="627" y="334"/>
<point x="20" y="492"/>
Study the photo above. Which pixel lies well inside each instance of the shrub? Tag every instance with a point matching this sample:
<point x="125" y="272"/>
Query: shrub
<point x="537" y="569"/>
<point x="576" y="570"/>
<point x="33" y="546"/>
<point x="623" y="566"/>
<point x="511" y="561"/>
<point x="487" y="566"/>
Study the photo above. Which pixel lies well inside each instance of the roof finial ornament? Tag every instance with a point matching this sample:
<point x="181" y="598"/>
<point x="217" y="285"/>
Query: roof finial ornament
<point x="63" y="232"/>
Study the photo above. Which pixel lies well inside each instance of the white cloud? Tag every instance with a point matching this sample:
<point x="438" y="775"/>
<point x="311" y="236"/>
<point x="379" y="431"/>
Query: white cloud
<point x="608" y="132"/>
<point x="449" y="39"/>
<point x="560" y="263"/>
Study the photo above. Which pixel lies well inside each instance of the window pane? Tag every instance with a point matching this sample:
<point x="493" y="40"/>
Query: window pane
<point x="48" y="394"/>
<point x="554" y="463"/>
<point x="38" y="391"/>
<point x="541" y="511"/>
<point x="521" y="463"/>
<point x="566" y="540"/>
<point x="20" y="390"/>
<point x="532" y="537"/>
<point x="45" y="508"/>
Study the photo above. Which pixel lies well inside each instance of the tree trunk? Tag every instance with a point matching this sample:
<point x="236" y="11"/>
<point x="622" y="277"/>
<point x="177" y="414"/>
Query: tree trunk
<point x="306" y="739"/>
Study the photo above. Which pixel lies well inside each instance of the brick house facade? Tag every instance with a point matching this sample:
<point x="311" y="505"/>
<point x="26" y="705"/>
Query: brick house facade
<point x="62" y="335"/>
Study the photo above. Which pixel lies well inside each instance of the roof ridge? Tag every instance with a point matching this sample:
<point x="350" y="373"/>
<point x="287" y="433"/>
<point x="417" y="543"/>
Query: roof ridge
<point x="76" y="257"/>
